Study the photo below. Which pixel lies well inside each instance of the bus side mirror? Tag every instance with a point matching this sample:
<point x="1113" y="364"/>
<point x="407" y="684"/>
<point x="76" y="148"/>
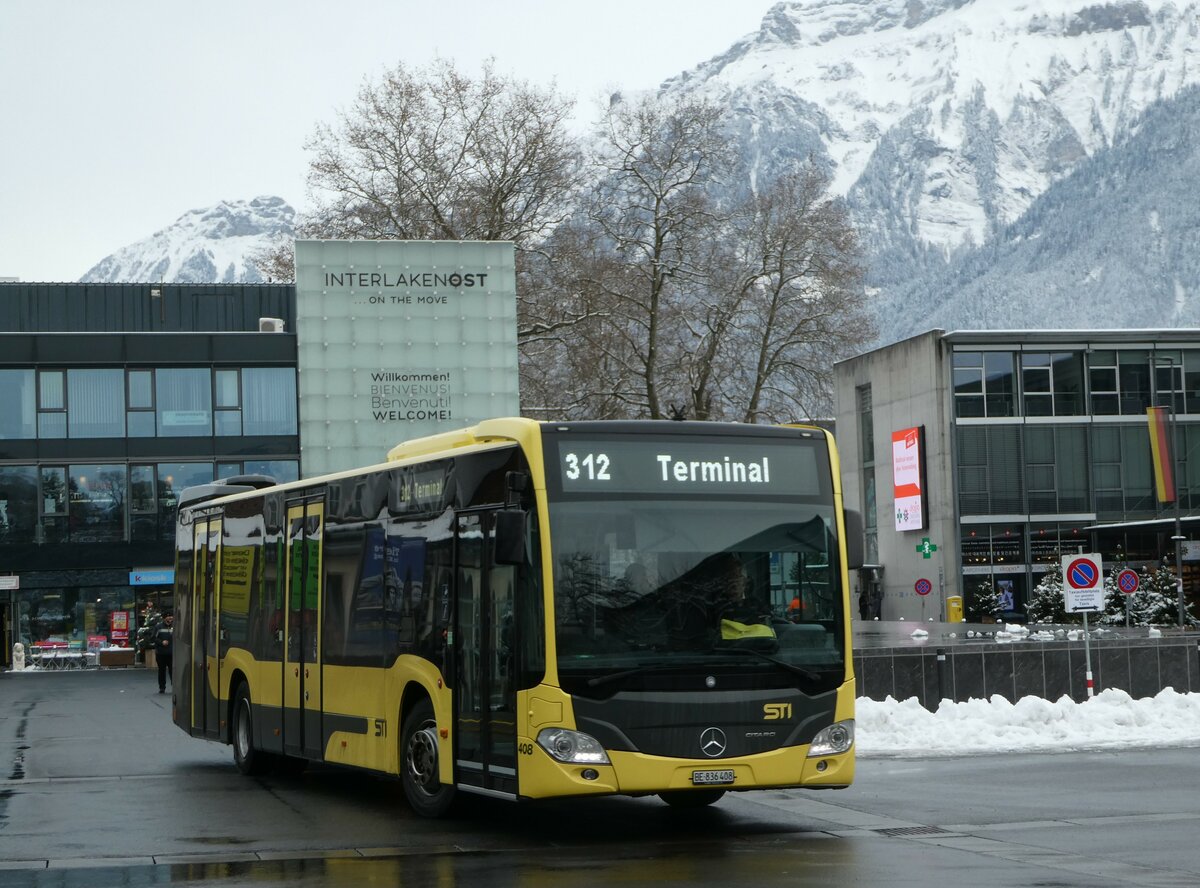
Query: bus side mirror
<point x="855" y="540"/>
<point x="516" y="484"/>
<point x="510" y="537"/>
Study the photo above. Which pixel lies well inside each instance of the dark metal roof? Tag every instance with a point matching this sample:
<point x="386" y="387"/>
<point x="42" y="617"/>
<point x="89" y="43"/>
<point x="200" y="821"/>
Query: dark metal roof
<point x="143" y="308"/>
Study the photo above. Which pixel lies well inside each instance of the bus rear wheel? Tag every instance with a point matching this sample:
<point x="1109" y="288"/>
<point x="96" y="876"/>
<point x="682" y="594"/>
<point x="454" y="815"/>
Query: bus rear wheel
<point x="249" y="760"/>
<point x="691" y="798"/>
<point x="425" y="792"/>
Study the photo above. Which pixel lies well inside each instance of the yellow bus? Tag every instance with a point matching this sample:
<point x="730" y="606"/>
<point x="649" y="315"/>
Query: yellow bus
<point x="529" y="610"/>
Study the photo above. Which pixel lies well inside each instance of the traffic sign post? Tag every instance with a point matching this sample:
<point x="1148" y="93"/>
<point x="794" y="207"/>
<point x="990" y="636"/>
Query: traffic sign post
<point x="1083" y="590"/>
<point x="1127" y="582"/>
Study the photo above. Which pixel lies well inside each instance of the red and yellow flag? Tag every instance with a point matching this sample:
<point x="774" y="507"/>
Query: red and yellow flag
<point x="1162" y="453"/>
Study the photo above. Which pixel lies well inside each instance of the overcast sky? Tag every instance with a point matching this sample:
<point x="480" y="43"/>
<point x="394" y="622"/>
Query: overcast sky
<point x="118" y="117"/>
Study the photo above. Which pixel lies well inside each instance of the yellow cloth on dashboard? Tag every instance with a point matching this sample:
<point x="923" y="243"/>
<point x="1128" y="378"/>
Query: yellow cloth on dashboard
<point x="732" y="629"/>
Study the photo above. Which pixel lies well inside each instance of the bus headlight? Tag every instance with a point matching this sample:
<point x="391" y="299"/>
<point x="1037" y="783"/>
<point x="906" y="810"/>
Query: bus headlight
<point x="833" y="740"/>
<point x="572" y="747"/>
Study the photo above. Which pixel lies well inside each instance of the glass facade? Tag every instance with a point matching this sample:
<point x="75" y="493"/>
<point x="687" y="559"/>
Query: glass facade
<point x="1044" y="453"/>
<point x="76" y="519"/>
<point x="108" y="502"/>
<point x="164" y="402"/>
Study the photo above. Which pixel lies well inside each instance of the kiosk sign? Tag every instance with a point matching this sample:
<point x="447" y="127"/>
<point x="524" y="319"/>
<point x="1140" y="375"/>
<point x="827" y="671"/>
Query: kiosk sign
<point x="1083" y="583"/>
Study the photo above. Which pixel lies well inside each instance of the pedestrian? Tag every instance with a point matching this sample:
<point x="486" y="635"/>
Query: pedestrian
<point x="164" y="650"/>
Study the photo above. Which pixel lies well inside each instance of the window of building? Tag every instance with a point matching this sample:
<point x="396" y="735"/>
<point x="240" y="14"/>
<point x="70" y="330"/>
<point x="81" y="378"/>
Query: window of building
<point x="866" y="449"/>
<point x="143" y="504"/>
<point x="172" y="478"/>
<point x="1056" y="475"/>
<point x="269" y="401"/>
<point x="183" y="398"/>
<point x="18" y="405"/>
<point x="96" y="503"/>
<point x="1052" y="383"/>
<point x="52" y="404"/>
<point x="993" y="545"/>
<point x="1191" y="381"/>
<point x="140" y="407"/>
<point x="1188" y="477"/>
<point x="1122" y="472"/>
<point x="1048" y="543"/>
<point x="18" y="504"/>
<point x="53" y="498"/>
<point x="983" y="384"/>
<point x="990" y="470"/>
<point x="1120" y="381"/>
<point x="228" y="402"/>
<point x="1168" y="380"/>
<point x="96" y="403"/>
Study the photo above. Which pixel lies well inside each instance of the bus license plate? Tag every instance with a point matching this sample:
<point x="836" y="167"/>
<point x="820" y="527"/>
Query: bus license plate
<point x="711" y="778"/>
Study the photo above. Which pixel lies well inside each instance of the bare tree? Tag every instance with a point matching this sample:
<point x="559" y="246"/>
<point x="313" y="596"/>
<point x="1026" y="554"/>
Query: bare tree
<point x="806" y="307"/>
<point x="435" y="154"/>
<point x="781" y="301"/>
<point x="431" y="153"/>
<point x="699" y="304"/>
<point x="648" y="220"/>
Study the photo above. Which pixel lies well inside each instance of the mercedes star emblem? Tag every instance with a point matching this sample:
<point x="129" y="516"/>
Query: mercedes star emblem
<point x="712" y="742"/>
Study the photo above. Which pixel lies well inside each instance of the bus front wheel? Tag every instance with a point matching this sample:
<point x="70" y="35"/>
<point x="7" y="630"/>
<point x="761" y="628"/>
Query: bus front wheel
<point x="691" y="798"/>
<point x="249" y="760"/>
<point x="425" y="792"/>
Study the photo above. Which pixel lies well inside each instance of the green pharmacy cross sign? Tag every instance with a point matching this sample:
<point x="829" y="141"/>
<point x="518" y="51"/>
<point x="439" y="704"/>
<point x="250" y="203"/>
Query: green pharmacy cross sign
<point x="926" y="548"/>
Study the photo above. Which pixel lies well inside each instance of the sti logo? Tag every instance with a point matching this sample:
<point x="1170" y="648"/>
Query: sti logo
<point x="776" y="711"/>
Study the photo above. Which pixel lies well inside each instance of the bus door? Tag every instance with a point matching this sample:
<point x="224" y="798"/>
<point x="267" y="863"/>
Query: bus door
<point x="484" y="686"/>
<point x="301" y="673"/>
<point x="206" y="661"/>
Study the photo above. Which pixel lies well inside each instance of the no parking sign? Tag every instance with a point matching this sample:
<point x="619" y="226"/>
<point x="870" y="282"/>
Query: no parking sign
<point x="1083" y="583"/>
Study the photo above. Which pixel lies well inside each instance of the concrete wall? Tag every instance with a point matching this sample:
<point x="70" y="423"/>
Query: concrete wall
<point x="909" y="387"/>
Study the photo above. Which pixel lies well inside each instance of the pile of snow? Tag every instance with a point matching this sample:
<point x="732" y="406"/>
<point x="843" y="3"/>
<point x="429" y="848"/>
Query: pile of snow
<point x="1110" y="720"/>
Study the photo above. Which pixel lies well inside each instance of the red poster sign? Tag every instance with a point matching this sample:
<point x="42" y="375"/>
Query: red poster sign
<point x="908" y="477"/>
<point x="118" y="626"/>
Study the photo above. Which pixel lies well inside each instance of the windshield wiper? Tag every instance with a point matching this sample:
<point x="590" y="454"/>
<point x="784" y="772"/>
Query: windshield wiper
<point x="782" y="664"/>
<point x="610" y="677"/>
<point x="599" y="680"/>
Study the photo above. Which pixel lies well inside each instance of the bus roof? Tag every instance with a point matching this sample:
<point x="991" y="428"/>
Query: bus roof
<point x="482" y="436"/>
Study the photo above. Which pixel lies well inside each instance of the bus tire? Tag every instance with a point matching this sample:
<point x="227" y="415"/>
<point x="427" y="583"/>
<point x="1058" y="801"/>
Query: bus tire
<point x="691" y="798"/>
<point x="425" y="792"/>
<point x="249" y="761"/>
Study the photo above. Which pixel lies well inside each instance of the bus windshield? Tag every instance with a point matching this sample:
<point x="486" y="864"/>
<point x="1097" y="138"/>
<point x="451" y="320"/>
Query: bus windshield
<point x="649" y="590"/>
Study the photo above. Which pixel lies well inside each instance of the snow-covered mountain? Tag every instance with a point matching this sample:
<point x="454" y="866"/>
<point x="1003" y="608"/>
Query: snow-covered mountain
<point x="988" y="150"/>
<point x="210" y="245"/>
<point x="942" y="121"/>
<point x="1114" y="244"/>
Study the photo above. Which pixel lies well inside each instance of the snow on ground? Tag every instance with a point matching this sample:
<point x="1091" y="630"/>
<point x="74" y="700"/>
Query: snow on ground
<point x="1110" y="720"/>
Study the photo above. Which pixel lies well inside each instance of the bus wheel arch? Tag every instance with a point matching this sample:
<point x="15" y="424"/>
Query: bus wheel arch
<point x="418" y="760"/>
<point x="236" y="680"/>
<point x="249" y="760"/>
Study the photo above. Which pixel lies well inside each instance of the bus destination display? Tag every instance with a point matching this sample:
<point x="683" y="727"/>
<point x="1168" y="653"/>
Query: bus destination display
<point x="769" y="467"/>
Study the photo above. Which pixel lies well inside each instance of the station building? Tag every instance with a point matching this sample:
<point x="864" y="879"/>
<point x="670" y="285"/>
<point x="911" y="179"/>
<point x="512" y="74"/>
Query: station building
<point x="988" y="456"/>
<point x="113" y="398"/>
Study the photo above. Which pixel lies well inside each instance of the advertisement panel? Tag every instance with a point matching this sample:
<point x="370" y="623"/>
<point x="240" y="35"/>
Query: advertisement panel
<point x="400" y="339"/>
<point x="908" y="477"/>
